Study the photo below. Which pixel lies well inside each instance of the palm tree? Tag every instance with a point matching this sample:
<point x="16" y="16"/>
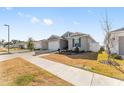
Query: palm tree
<point x="30" y="44"/>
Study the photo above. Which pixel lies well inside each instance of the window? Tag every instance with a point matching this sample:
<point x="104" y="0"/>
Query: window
<point x="77" y="42"/>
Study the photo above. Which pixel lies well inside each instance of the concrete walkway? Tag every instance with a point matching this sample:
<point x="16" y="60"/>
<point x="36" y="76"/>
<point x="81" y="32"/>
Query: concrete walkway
<point x="73" y="75"/>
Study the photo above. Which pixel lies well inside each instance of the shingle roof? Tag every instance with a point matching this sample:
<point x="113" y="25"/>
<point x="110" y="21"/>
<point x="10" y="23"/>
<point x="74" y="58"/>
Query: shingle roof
<point x="78" y="34"/>
<point x="54" y="37"/>
<point x="67" y="34"/>
<point x="120" y="29"/>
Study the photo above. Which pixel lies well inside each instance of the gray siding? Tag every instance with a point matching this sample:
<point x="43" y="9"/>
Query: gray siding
<point x="70" y="46"/>
<point x="44" y="44"/>
<point x="84" y="43"/>
<point x="121" y="45"/>
<point x="63" y="44"/>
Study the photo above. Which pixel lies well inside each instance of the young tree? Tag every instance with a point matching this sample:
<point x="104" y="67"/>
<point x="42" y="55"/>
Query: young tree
<point x="106" y="26"/>
<point x="2" y="42"/>
<point x="14" y="42"/>
<point x="30" y="44"/>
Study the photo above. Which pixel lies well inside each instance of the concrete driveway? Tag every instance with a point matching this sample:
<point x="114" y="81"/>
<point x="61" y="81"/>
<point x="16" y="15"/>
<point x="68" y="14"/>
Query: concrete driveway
<point x="73" y="75"/>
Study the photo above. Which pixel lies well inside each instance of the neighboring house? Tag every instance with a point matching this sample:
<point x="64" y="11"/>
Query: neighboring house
<point x="41" y="44"/>
<point x="117" y="41"/>
<point x="56" y="42"/>
<point x="83" y="41"/>
<point x="2" y="43"/>
<point x="1" y="46"/>
<point x="37" y="44"/>
<point x="22" y="45"/>
<point x="44" y="44"/>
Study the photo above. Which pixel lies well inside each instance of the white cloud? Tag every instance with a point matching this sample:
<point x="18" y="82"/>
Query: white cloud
<point x="47" y="21"/>
<point x="8" y="8"/>
<point x="35" y="20"/>
<point x="24" y="15"/>
<point x="89" y="11"/>
<point x="76" y="23"/>
<point x="29" y="16"/>
<point x="20" y="14"/>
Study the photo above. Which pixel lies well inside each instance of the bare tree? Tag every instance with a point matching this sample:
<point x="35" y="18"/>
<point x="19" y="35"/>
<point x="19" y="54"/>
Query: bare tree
<point x="106" y="26"/>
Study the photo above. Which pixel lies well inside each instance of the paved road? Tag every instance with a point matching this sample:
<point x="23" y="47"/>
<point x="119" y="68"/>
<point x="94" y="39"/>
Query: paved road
<point x="73" y="75"/>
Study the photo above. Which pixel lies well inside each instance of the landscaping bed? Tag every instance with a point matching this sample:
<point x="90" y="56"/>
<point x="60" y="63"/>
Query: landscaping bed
<point x="19" y="72"/>
<point x="88" y="61"/>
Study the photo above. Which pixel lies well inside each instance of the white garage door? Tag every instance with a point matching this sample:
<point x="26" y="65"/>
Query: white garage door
<point x="121" y="45"/>
<point x="53" y="45"/>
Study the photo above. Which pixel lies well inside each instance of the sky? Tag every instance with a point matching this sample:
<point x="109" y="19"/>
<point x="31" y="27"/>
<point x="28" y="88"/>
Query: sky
<point x="40" y="22"/>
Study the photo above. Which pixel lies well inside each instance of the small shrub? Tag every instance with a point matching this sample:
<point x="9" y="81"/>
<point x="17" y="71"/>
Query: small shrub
<point x="82" y="51"/>
<point x="116" y="56"/>
<point x="77" y="50"/>
<point x="101" y="50"/>
<point x="24" y="80"/>
<point x="59" y="51"/>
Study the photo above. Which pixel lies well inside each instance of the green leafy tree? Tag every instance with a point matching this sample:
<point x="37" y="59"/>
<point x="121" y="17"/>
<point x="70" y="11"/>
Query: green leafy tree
<point x="30" y="44"/>
<point x="14" y="42"/>
<point x="2" y="42"/>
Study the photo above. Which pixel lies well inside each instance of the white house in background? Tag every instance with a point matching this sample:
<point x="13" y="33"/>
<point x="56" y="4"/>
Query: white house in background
<point x="20" y="44"/>
<point x="41" y="44"/>
<point x="23" y="45"/>
<point x="117" y="41"/>
<point x="56" y="42"/>
<point x="1" y="46"/>
<point x="83" y="41"/>
<point x="37" y="44"/>
<point x="44" y="44"/>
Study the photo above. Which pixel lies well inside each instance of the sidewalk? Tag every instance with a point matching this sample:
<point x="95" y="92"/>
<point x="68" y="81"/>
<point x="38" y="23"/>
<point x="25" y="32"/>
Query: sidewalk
<point x="73" y="75"/>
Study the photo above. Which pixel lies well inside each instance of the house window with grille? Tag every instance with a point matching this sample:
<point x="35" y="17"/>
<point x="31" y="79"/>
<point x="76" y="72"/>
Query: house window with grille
<point x="76" y="42"/>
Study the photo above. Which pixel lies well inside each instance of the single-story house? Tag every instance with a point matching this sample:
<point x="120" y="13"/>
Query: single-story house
<point x="1" y="43"/>
<point x="67" y="34"/>
<point x="117" y="41"/>
<point x="1" y="46"/>
<point x="19" y="44"/>
<point x="83" y="41"/>
<point x="37" y="44"/>
<point x="56" y="42"/>
<point x="44" y="44"/>
<point x="41" y="44"/>
<point x="22" y="45"/>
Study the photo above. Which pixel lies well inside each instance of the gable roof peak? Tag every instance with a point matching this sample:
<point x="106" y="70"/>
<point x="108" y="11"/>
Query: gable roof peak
<point x="54" y="37"/>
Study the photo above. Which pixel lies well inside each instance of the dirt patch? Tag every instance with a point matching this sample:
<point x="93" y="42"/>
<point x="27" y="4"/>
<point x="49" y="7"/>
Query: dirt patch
<point x="18" y="71"/>
<point x="88" y="64"/>
<point x="87" y="55"/>
<point x="3" y="50"/>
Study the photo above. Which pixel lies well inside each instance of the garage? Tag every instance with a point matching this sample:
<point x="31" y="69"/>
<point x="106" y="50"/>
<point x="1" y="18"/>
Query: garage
<point x="53" y="45"/>
<point x="121" y="45"/>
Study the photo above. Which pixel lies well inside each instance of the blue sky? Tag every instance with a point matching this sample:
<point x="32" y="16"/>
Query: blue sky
<point x="40" y="23"/>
